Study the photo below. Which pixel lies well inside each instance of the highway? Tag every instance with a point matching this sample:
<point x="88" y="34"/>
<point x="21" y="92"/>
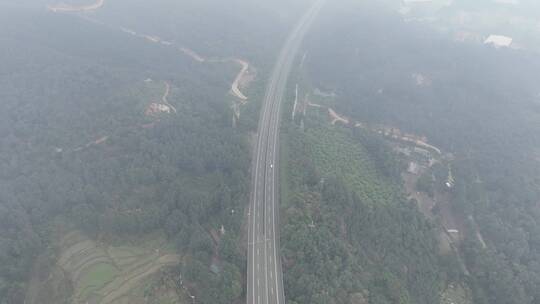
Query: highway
<point x="265" y="279"/>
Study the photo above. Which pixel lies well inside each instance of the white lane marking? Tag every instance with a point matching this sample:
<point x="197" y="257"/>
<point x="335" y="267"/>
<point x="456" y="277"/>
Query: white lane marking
<point x="268" y="105"/>
<point x="255" y="194"/>
<point x="274" y="217"/>
<point x="265" y="229"/>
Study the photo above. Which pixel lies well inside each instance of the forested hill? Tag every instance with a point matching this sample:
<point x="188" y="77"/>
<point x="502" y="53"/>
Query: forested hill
<point x="349" y="234"/>
<point x="64" y="91"/>
<point x="126" y="149"/>
<point x="472" y="100"/>
<point x="252" y="30"/>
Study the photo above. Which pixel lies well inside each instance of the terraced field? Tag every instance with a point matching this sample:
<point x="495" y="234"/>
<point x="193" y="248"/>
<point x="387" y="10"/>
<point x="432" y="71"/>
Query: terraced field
<point x="107" y="274"/>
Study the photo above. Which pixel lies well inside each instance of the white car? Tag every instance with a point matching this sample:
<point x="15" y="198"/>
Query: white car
<point x="271" y="166"/>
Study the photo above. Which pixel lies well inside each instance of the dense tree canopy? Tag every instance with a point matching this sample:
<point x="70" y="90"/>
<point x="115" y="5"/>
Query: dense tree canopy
<point x="475" y="101"/>
<point x="353" y="236"/>
<point x="77" y="149"/>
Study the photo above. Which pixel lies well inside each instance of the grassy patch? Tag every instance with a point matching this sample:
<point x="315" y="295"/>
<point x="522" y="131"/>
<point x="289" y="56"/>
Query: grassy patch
<point x="334" y="152"/>
<point x="124" y="256"/>
<point x="137" y="244"/>
<point x="96" y="277"/>
<point x="99" y="270"/>
<point x="125" y="252"/>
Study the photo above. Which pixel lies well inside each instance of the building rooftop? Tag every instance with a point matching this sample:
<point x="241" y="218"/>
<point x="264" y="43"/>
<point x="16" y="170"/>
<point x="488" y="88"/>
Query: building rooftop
<point x="498" y="41"/>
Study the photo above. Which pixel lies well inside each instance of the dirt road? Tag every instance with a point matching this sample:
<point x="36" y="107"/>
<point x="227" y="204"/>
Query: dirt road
<point x="234" y="88"/>
<point x="396" y="134"/>
<point x="336" y="117"/>
<point x="191" y="53"/>
<point x="165" y="95"/>
<point x="64" y="8"/>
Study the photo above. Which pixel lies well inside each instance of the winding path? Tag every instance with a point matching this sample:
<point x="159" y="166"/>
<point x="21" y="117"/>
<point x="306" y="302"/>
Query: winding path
<point x="165" y="95"/>
<point x="234" y="88"/>
<point x="64" y="8"/>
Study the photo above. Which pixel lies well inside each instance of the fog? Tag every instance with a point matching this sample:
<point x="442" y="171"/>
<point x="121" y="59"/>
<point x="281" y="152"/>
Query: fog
<point x="269" y="152"/>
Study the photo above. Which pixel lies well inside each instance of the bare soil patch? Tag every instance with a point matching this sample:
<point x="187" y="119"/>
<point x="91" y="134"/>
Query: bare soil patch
<point x="235" y="90"/>
<point x="63" y="8"/>
<point x="337" y="118"/>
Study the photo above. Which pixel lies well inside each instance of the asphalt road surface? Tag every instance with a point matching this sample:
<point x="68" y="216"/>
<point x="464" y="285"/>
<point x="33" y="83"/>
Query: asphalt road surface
<point x="265" y="280"/>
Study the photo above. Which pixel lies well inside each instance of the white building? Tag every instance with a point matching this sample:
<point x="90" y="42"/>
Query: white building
<point x="498" y="41"/>
<point x="413" y="168"/>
